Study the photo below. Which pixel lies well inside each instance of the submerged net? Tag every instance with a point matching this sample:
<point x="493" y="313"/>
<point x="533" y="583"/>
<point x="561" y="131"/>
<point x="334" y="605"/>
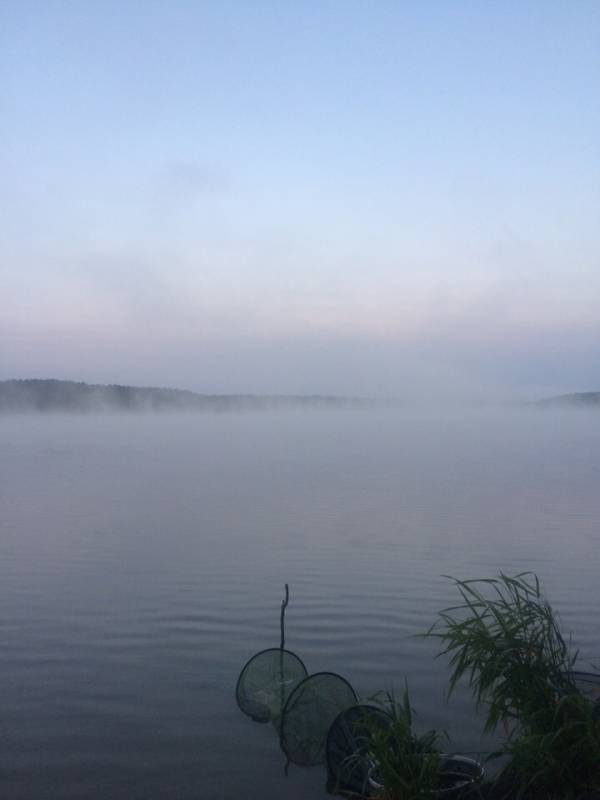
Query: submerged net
<point x="349" y="762"/>
<point x="266" y="682"/>
<point x="308" y="714"/>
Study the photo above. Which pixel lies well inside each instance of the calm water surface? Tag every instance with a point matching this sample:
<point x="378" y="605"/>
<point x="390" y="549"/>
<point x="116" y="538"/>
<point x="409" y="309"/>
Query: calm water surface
<point x="142" y="560"/>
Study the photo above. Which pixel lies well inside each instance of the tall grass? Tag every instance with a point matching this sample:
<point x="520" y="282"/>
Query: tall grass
<point x="406" y="763"/>
<point x="559" y="754"/>
<point x="505" y="641"/>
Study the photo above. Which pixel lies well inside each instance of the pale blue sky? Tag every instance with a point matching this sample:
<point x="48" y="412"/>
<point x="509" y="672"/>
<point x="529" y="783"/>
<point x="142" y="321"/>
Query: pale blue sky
<point x="302" y="197"/>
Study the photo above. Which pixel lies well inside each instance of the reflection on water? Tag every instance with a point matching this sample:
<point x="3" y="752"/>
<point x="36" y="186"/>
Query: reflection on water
<point x="142" y="559"/>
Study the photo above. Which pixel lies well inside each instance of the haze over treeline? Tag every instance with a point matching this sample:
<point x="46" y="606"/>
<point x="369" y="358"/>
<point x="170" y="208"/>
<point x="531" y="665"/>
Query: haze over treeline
<point x="47" y="395"/>
<point x="44" y="395"/>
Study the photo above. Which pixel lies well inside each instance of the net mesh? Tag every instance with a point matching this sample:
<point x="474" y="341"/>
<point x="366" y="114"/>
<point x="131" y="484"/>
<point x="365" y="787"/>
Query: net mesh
<point x="308" y="714"/>
<point x="348" y="761"/>
<point x="266" y="682"/>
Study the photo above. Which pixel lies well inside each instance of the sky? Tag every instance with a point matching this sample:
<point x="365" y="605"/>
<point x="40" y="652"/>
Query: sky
<point x="366" y="198"/>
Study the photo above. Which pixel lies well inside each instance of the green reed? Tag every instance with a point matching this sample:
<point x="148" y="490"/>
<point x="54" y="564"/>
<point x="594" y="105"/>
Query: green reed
<point x="505" y="640"/>
<point x="406" y="764"/>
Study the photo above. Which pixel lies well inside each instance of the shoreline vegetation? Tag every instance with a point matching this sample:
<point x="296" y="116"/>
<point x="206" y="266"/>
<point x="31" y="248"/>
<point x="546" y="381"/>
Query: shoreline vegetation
<point x="51" y="395"/>
<point x="504" y="641"/>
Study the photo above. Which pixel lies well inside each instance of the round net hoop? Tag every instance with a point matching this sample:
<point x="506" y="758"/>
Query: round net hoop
<point x="308" y="714"/>
<point x="348" y="743"/>
<point x="266" y="682"/>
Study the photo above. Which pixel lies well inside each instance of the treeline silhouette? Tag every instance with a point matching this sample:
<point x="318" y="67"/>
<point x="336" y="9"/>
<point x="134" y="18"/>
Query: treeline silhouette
<point x="45" y="395"/>
<point x="575" y="399"/>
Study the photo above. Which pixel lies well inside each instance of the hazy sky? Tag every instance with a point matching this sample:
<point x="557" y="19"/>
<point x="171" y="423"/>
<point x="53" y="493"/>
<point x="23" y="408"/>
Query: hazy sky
<point x="351" y="197"/>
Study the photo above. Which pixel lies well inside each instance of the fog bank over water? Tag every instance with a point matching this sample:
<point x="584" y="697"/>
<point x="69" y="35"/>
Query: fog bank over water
<point x="53" y="396"/>
<point x="453" y="366"/>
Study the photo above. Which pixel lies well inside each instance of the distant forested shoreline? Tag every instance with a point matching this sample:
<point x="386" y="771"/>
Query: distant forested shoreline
<point x="47" y="395"/>
<point x="590" y="399"/>
<point x="51" y="395"/>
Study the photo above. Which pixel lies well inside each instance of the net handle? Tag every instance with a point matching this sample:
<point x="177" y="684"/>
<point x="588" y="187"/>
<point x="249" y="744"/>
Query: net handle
<point x="284" y="603"/>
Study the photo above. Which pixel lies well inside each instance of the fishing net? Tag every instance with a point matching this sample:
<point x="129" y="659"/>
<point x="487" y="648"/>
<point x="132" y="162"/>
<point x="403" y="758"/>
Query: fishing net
<point x="348" y="743"/>
<point x="266" y="682"/>
<point x="308" y="714"/>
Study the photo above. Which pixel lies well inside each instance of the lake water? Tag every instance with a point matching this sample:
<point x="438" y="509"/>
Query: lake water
<point x="142" y="561"/>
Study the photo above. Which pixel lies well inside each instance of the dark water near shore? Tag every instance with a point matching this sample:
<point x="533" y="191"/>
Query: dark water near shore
<point x="142" y="560"/>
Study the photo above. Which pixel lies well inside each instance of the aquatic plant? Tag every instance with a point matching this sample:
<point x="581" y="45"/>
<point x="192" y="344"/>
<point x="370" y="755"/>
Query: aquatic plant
<point x="406" y="764"/>
<point x="505" y="639"/>
<point x="557" y="753"/>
